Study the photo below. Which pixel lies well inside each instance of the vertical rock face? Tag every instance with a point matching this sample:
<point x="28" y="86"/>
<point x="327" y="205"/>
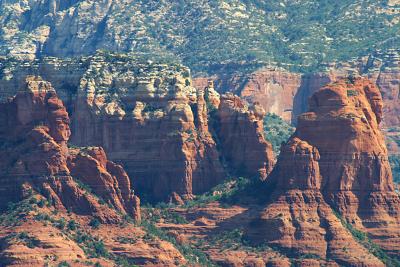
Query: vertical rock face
<point x="336" y="160"/>
<point x="297" y="219"/>
<point x="240" y="132"/>
<point x="286" y="93"/>
<point x="343" y="123"/>
<point x="149" y="118"/>
<point x="273" y="89"/>
<point x="34" y="133"/>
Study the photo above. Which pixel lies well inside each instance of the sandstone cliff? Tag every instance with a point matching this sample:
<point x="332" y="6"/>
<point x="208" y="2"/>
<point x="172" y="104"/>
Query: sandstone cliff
<point x="286" y="93"/>
<point x="335" y="162"/>
<point x="35" y="156"/>
<point x="240" y="131"/>
<point x="148" y="117"/>
<point x="357" y="179"/>
<point x="151" y="120"/>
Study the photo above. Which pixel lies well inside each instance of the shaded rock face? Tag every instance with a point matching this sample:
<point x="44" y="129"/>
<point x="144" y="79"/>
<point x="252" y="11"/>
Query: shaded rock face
<point x="381" y="68"/>
<point x="354" y="147"/>
<point x="240" y="131"/>
<point x="335" y="161"/>
<point x="35" y="156"/>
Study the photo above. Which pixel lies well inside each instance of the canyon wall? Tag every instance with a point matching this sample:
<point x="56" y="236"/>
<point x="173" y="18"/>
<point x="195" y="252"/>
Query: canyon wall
<point x="286" y="94"/>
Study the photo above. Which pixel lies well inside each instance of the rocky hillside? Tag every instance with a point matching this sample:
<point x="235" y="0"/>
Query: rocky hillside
<point x="63" y="205"/>
<point x="329" y="199"/>
<point x="239" y="34"/>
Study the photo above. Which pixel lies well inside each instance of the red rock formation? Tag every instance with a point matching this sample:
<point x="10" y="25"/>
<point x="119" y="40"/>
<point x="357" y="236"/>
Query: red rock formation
<point x="163" y="140"/>
<point x="240" y="131"/>
<point x="274" y="89"/>
<point x="357" y="180"/>
<point x="336" y="160"/>
<point x="34" y="131"/>
<point x="297" y="219"/>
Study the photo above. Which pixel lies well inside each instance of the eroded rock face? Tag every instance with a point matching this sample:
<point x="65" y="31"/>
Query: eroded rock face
<point x="240" y="131"/>
<point x="343" y="123"/>
<point x="286" y="93"/>
<point x="273" y="88"/>
<point x="354" y="147"/>
<point x="147" y="116"/>
<point x="35" y="156"/>
<point x="335" y="162"/>
<point x="152" y="120"/>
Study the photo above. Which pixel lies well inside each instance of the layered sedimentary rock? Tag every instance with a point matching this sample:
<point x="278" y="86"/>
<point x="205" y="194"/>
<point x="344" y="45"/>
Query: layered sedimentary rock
<point x="146" y="115"/>
<point x="35" y="129"/>
<point x="286" y="93"/>
<point x="335" y="161"/>
<point x="381" y="68"/>
<point x="273" y="88"/>
<point x="297" y="220"/>
<point x="152" y="120"/>
<point x="343" y="123"/>
<point x="240" y="132"/>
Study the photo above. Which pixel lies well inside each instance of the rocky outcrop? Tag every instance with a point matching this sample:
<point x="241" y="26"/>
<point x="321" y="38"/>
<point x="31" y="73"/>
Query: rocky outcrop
<point x="273" y="88"/>
<point x="381" y="68"/>
<point x="150" y="119"/>
<point x="35" y="129"/>
<point x="240" y="132"/>
<point x="343" y="123"/>
<point x="286" y="93"/>
<point x="335" y="162"/>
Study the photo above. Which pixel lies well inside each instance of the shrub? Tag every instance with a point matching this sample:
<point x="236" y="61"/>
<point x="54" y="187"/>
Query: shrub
<point x="92" y="246"/>
<point x="72" y="225"/>
<point x="365" y="241"/>
<point x="94" y="223"/>
<point x="41" y="203"/>
<point x="29" y="241"/>
<point x="64" y="264"/>
<point x="276" y="131"/>
<point x="60" y="224"/>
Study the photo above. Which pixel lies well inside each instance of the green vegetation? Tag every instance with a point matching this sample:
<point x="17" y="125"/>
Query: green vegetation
<point x="26" y="239"/>
<point x="364" y="240"/>
<point x="17" y="211"/>
<point x="395" y="164"/>
<point x="191" y="254"/>
<point x="60" y="224"/>
<point x="92" y="246"/>
<point x="352" y="93"/>
<point x="94" y="223"/>
<point x="232" y="191"/>
<point x="221" y="36"/>
<point x="64" y="264"/>
<point x="72" y="225"/>
<point x="276" y="131"/>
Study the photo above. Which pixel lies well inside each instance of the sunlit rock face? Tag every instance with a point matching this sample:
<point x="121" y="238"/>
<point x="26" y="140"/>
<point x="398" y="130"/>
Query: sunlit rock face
<point x="336" y="162"/>
<point x="34" y="132"/>
<point x="149" y="118"/>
